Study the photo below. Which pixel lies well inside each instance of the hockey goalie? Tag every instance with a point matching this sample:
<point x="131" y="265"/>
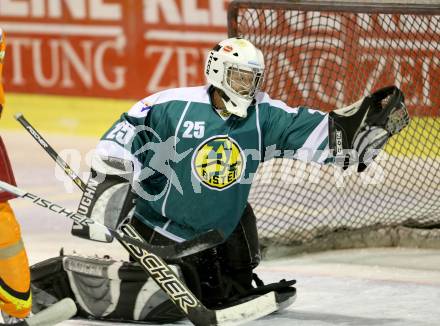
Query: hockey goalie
<point x="180" y="162"/>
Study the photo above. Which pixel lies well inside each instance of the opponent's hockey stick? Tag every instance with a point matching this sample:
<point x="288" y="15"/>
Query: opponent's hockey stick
<point x="205" y="241"/>
<point x="56" y="313"/>
<point x="165" y="277"/>
<point x="49" y="150"/>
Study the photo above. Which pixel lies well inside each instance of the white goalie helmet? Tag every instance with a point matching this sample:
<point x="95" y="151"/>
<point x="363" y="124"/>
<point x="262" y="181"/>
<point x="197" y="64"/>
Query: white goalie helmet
<point x="236" y="67"/>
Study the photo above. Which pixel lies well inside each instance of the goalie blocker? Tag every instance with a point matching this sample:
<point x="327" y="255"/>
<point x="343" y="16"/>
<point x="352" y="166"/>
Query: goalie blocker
<point x="359" y="131"/>
<point x="108" y="198"/>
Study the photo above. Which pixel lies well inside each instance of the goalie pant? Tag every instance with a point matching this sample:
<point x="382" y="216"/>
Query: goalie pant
<point x="222" y="275"/>
<point x="15" y="296"/>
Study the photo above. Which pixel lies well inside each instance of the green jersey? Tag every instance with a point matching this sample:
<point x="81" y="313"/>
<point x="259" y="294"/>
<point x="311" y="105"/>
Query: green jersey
<point x="194" y="165"/>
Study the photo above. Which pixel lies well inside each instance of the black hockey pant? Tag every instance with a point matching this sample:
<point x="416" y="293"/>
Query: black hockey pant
<point x="215" y="275"/>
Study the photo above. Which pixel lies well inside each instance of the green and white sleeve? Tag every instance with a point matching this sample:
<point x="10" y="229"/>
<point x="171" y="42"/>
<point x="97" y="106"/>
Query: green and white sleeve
<point x="300" y="133"/>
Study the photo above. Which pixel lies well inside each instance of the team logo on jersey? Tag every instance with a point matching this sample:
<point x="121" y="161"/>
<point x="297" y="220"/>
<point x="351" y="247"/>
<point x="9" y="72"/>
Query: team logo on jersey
<point x="218" y="162"/>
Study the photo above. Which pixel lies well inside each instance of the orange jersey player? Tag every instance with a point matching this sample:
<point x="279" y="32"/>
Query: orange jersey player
<point x="15" y="295"/>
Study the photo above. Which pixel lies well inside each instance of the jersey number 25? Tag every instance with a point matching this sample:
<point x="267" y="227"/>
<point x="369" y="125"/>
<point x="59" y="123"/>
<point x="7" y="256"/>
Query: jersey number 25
<point x="194" y="129"/>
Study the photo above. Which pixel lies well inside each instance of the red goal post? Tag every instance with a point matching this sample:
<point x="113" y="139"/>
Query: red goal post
<point x="327" y="55"/>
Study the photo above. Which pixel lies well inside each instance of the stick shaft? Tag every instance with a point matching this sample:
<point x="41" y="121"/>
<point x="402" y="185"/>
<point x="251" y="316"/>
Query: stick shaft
<point x="49" y="150"/>
<point x="78" y="218"/>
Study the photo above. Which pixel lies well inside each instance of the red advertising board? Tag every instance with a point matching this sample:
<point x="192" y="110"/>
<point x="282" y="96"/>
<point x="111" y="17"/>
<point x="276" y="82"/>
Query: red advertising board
<point x="132" y="48"/>
<point x="109" y="48"/>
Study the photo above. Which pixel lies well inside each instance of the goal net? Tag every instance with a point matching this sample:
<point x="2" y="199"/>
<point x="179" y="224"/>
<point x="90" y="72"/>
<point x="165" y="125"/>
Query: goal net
<point x="328" y="55"/>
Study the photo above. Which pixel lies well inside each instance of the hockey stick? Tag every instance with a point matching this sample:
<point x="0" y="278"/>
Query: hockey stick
<point x="49" y="150"/>
<point x="52" y="153"/>
<point x="56" y="313"/>
<point x="165" y="277"/>
<point x="205" y="241"/>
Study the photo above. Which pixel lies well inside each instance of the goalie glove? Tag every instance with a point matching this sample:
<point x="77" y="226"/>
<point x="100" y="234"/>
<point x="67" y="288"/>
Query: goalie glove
<point x="357" y="132"/>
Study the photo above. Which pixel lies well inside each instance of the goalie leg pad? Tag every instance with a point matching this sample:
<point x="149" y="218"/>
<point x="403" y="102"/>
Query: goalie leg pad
<point x="226" y="272"/>
<point x="49" y="283"/>
<point x="104" y="289"/>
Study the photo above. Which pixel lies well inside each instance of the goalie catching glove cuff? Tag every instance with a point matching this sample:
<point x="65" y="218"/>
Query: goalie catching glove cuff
<point x="358" y="131"/>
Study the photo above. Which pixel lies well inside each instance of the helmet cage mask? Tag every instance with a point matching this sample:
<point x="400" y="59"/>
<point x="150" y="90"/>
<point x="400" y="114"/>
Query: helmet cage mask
<point x="241" y="80"/>
<point x="235" y="67"/>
